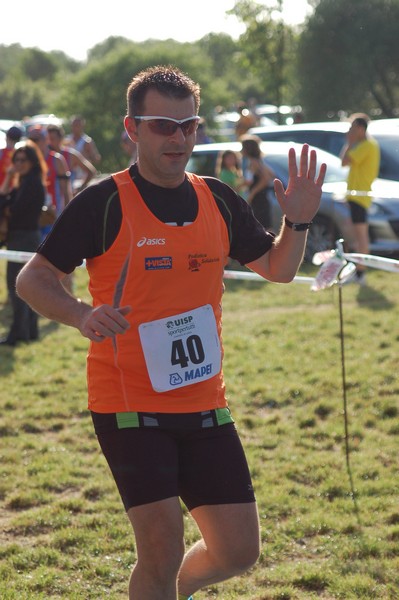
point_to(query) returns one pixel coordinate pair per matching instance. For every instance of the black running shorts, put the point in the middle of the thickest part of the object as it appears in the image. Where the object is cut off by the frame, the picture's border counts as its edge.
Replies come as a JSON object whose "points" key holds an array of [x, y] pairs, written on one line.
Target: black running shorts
{"points": [[358, 212], [201, 466]]}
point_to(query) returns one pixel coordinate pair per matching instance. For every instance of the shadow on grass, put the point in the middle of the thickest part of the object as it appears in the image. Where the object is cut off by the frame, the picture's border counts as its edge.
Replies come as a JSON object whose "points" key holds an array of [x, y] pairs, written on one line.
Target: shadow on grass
{"points": [[5, 313], [47, 328], [7, 353], [375, 299]]}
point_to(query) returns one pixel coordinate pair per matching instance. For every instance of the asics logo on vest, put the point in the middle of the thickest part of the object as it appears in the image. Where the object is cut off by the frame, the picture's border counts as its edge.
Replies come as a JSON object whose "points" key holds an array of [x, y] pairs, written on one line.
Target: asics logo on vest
{"points": [[151, 242]]}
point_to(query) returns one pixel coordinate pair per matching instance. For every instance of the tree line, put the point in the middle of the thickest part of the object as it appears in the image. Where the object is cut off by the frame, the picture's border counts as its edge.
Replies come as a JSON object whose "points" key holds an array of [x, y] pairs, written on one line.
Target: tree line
{"points": [[342, 59]]}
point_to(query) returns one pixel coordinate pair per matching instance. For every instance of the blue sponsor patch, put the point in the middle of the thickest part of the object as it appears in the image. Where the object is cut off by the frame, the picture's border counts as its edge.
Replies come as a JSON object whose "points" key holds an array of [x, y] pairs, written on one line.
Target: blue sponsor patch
{"points": [[155, 263], [199, 372]]}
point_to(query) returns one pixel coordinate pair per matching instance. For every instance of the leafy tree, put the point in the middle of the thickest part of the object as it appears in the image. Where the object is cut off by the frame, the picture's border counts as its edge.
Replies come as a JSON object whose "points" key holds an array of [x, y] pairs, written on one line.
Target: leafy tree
{"points": [[37, 64], [9, 59], [268, 49], [19, 98], [232, 80], [30, 80], [98, 91], [348, 57], [221, 49], [100, 51]]}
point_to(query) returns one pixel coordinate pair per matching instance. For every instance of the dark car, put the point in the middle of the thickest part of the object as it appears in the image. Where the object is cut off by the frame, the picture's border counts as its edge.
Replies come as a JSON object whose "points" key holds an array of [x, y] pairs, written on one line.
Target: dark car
{"points": [[333, 218], [331, 136]]}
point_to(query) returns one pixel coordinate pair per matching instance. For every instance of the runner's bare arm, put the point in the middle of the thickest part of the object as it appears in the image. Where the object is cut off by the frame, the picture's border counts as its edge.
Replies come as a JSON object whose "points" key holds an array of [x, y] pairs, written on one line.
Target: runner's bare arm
{"points": [[39, 284]]}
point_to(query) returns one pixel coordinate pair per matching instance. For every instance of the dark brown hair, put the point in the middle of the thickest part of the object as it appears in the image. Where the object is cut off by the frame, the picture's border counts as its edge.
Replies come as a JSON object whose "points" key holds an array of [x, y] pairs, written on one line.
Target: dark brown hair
{"points": [[35, 156], [251, 146], [166, 80]]}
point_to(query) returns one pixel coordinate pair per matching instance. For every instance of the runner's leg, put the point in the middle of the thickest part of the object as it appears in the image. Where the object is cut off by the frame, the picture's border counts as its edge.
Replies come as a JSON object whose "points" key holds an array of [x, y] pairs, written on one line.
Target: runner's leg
{"points": [[158, 529], [230, 545]]}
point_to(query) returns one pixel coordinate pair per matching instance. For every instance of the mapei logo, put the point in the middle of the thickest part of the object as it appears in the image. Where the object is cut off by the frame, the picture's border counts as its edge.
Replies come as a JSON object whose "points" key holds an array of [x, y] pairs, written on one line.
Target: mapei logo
{"points": [[144, 241]]}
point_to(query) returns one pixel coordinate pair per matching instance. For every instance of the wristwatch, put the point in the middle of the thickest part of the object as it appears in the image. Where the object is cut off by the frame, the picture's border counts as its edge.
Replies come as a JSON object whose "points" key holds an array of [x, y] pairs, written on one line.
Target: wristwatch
{"points": [[297, 226]]}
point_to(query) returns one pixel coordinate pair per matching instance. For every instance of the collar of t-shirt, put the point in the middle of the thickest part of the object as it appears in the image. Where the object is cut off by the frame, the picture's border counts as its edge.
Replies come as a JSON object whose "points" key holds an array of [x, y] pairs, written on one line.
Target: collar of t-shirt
{"points": [[174, 206]]}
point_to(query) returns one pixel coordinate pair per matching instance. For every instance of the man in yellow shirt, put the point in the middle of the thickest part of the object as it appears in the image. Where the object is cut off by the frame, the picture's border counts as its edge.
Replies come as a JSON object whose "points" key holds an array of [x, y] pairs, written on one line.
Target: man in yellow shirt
{"points": [[362, 154]]}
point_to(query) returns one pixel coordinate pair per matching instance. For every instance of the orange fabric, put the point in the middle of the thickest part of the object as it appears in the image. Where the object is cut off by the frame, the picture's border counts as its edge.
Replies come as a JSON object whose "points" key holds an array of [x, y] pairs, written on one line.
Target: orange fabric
{"points": [[6, 155], [132, 272]]}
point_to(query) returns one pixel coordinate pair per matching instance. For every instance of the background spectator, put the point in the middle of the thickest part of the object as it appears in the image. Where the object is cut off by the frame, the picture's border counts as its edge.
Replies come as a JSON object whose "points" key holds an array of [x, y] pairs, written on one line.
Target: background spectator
{"points": [[58, 187], [76, 162], [82, 142], [202, 136], [362, 154], [23, 203], [261, 179], [245, 121], [228, 169]]}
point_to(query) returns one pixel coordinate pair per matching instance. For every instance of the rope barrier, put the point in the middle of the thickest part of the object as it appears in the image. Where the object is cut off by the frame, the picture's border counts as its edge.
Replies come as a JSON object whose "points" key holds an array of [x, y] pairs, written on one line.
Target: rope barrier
{"points": [[23, 257], [16, 255], [249, 275]]}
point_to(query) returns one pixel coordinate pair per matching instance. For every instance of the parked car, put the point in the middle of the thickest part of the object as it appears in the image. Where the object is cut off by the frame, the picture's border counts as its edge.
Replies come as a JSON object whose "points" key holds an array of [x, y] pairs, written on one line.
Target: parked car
{"points": [[331, 136], [225, 124], [266, 115], [279, 114], [43, 121], [333, 218]]}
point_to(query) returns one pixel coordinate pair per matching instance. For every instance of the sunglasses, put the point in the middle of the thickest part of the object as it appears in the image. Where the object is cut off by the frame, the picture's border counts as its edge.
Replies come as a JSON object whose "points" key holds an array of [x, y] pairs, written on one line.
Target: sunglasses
{"points": [[20, 159], [167, 126]]}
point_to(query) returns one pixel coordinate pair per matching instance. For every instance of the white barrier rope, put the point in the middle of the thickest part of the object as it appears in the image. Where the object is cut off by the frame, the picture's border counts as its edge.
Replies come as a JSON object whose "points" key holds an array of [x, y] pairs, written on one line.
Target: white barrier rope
{"points": [[23, 257], [249, 275], [15, 256]]}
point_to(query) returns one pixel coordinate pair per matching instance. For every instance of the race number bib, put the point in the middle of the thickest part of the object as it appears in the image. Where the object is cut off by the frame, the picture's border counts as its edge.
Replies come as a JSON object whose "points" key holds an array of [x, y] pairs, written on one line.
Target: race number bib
{"points": [[182, 349]]}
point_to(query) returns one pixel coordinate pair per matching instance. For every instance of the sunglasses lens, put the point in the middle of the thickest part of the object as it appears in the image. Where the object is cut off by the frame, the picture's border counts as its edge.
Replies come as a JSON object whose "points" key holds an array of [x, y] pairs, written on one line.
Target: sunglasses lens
{"points": [[189, 126], [162, 126], [168, 128]]}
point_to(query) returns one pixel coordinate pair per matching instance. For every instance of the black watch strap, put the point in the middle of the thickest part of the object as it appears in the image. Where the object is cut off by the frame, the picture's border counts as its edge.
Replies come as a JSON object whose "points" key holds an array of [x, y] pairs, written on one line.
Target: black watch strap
{"points": [[297, 226]]}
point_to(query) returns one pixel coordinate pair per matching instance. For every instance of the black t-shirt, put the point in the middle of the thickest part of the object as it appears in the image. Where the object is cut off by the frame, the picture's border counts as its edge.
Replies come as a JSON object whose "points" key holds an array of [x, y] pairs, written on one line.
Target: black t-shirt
{"points": [[91, 221]]}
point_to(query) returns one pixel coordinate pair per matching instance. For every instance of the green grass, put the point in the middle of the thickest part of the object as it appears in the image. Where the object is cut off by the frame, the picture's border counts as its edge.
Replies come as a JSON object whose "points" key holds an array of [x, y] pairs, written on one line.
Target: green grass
{"points": [[63, 532]]}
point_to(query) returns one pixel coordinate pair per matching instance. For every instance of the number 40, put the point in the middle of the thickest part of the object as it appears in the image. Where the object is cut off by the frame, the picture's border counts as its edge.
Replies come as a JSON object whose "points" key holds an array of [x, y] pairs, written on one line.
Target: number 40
{"points": [[194, 351]]}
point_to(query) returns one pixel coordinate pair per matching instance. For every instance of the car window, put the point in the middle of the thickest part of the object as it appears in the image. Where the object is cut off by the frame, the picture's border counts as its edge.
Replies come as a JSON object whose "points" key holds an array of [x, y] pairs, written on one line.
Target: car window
{"points": [[279, 164], [203, 163], [389, 146], [331, 141], [336, 141]]}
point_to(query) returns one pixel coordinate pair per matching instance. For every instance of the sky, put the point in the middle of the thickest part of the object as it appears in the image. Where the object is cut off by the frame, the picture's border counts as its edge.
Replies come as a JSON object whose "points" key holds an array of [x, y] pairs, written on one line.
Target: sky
{"points": [[75, 26]]}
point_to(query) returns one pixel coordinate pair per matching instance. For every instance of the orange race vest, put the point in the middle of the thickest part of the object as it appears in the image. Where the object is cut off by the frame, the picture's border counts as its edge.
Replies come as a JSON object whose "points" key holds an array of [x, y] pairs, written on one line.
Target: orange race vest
{"points": [[162, 272]]}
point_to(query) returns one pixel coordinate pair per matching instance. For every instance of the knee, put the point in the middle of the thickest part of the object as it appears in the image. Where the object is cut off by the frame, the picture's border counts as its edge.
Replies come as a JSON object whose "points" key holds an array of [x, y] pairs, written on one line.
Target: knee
{"points": [[248, 557], [242, 557], [163, 558]]}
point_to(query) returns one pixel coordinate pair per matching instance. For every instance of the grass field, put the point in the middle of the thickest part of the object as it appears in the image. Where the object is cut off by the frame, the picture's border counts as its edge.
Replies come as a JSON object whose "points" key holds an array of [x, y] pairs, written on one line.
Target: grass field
{"points": [[63, 532]]}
